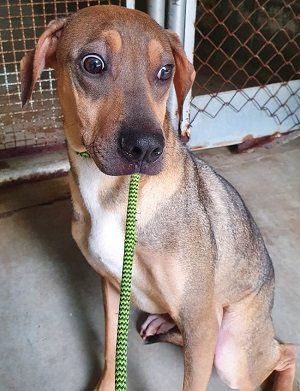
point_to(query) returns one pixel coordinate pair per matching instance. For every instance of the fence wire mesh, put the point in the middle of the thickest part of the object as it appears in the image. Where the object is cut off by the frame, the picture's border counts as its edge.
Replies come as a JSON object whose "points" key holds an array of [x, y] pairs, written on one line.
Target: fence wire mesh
{"points": [[249, 43], [238, 44], [21, 24]]}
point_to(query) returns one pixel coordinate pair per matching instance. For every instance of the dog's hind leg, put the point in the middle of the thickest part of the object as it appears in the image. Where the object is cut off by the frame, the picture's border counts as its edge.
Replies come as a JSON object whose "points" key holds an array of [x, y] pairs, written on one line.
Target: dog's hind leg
{"points": [[247, 353], [285, 369], [282, 377]]}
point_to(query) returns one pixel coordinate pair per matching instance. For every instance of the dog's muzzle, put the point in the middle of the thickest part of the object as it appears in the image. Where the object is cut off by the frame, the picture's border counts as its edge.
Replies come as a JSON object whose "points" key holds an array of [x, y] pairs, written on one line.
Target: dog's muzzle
{"points": [[130, 152], [142, 150]]}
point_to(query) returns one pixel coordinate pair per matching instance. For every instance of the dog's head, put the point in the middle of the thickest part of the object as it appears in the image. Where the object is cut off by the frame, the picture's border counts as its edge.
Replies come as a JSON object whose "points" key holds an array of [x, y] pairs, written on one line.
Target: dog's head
{"points": [[114, 71]]}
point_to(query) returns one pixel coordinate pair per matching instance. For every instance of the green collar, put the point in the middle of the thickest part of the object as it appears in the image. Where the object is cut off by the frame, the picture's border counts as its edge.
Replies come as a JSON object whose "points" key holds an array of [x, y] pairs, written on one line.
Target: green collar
{"points": [[83, 154]]}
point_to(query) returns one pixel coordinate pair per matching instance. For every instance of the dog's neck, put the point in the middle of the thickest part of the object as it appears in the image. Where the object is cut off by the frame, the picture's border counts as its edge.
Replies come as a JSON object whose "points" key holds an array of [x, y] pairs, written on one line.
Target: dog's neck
{"points": [[112, 191]]}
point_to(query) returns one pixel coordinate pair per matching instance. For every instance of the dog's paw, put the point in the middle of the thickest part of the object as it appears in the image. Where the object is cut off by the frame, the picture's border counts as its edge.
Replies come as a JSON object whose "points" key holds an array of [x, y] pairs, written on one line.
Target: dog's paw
{"points": [[156, 324]]}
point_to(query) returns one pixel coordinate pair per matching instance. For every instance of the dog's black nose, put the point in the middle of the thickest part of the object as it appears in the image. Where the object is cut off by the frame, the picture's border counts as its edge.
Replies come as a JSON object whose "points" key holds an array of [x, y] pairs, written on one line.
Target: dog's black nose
{"points": [[136, 146]]}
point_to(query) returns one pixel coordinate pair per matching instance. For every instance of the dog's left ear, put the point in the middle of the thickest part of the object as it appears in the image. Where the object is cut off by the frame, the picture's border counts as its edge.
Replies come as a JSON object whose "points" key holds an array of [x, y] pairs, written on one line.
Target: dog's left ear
{"points": [[44, 55], [184, 71]]}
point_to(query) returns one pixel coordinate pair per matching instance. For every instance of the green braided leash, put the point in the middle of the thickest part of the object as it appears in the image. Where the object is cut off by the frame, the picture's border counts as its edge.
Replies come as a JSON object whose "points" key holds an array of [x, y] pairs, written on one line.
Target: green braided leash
{"points": [[124, 306]]}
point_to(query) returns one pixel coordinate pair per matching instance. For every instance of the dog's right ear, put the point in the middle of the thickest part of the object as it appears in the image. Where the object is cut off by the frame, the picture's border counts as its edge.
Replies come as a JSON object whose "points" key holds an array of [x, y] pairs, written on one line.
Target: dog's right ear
{"points": [[44, 55]]}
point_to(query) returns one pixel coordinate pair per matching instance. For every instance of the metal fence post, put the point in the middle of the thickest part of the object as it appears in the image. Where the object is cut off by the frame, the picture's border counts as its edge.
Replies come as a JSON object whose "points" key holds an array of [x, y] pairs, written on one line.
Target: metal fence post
{"points": [[130, 4], [156, 9], [176, 23], [189, 43], [181, 19]]}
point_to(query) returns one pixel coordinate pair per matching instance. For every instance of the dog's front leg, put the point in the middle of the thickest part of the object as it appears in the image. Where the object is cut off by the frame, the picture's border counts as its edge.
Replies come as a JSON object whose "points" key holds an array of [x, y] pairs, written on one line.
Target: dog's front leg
{"points": [[200, 337], [111, 298]]}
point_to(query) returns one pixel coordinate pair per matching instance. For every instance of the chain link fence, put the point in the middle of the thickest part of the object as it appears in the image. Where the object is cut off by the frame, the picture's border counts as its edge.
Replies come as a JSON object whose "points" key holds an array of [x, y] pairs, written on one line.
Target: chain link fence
{"points": [[250, 43], [238, 44]]}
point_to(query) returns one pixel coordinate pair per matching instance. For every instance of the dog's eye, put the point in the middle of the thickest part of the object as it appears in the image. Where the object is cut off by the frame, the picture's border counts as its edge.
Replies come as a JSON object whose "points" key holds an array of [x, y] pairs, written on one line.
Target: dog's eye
{"points": [[93, 63], [165, 72]]}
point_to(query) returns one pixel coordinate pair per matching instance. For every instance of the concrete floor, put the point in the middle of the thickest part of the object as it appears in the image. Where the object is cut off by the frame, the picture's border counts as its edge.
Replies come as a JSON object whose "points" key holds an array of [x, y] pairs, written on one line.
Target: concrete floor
{"points": [[51, 330]]}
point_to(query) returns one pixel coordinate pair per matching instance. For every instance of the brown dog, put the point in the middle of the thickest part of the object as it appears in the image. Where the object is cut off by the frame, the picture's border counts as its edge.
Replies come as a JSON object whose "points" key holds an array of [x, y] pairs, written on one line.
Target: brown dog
{"points": [[114, 70]]}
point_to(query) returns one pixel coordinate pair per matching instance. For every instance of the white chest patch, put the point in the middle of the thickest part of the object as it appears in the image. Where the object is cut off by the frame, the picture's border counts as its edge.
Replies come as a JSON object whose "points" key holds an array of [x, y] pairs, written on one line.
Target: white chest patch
{"points": [[106, 239]]}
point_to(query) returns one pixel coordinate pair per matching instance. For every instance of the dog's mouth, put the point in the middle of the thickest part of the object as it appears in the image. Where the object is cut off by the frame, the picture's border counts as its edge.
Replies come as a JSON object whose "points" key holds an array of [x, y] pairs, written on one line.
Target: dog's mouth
{"points": [[147, 168], [120, 166]]}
